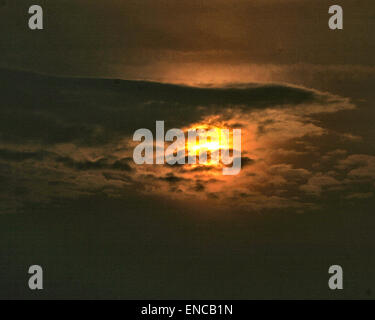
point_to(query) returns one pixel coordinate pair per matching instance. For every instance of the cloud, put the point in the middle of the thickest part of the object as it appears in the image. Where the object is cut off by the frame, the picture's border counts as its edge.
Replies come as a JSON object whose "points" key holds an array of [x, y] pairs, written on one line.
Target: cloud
{"points": [[14, 155], [56, 110], [319, 182], [360, 195], [121, 165], [334, 154], [359, 165], [73, 137], [171, 178]]}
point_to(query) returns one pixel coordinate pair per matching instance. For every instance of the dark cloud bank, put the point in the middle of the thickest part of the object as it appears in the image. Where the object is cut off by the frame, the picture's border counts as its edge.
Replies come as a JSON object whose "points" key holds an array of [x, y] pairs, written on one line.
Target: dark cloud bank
{"points": [[56, 110]]}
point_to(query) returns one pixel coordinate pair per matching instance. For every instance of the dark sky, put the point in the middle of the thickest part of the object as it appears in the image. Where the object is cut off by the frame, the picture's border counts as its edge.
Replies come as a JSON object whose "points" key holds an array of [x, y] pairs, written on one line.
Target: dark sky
{"points": [[137, 38], [72, 200]]}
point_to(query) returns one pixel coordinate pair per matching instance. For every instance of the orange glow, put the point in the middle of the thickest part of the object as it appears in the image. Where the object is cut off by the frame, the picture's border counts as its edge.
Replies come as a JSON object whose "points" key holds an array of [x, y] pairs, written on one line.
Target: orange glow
{"points": [[210, 139]]}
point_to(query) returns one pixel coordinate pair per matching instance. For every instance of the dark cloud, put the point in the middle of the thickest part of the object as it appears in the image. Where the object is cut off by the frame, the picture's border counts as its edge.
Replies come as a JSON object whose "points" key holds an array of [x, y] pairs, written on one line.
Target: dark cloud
{"points": [[52, 110], [121, 165], [12, 155], [199, 187], [246, 161], [171, 178], [117, 176]]}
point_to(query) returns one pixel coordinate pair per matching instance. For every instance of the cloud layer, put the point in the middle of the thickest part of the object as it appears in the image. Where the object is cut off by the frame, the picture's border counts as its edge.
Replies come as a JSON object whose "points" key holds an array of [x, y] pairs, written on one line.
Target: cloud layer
{"points": [[64, 138]]}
